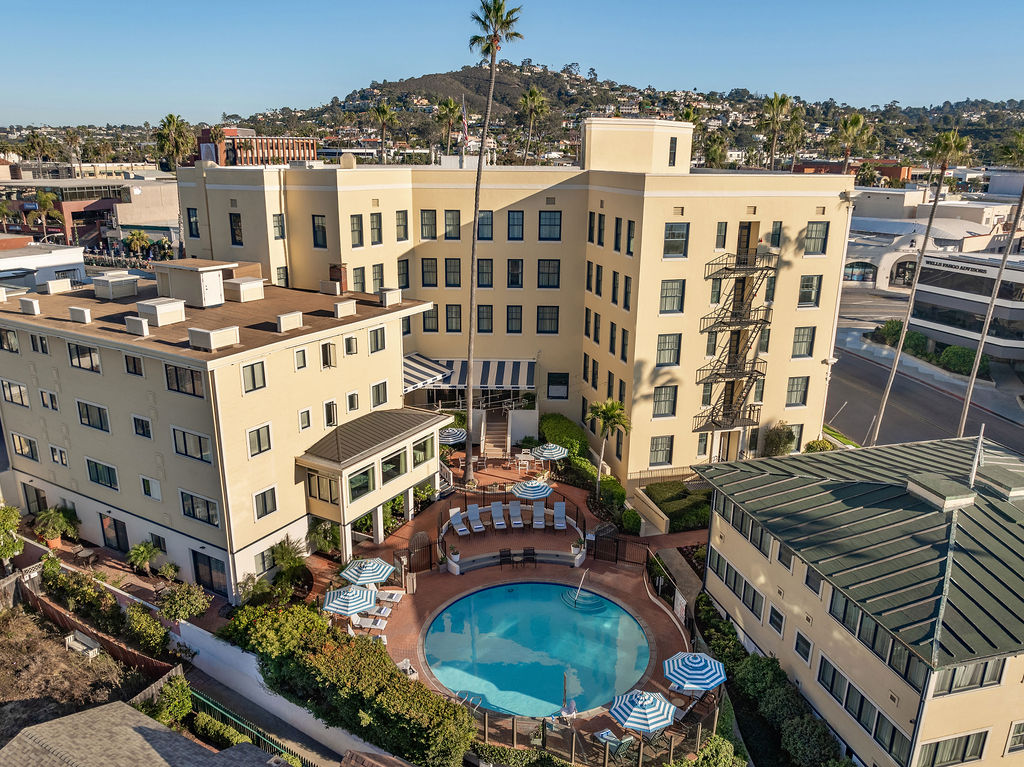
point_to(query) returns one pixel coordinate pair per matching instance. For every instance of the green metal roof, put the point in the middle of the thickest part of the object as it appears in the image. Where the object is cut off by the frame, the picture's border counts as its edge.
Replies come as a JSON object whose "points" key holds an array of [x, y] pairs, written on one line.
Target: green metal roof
{"points": [[948, 584]]}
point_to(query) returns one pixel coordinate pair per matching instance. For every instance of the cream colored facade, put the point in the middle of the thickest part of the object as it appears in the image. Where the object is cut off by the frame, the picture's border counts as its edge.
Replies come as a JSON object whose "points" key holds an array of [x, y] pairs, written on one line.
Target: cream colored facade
{"points": [[637, 180]]}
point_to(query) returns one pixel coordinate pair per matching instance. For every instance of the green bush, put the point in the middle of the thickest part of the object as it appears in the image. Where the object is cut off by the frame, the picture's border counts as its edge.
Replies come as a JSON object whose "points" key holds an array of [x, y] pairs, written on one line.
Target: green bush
{"points": [[173, 704], [183, 601], [274, 631], [809, 741], [758, 674], [577, 471], [291, 759], [556, 428], [685, 510], [726, 722], [958, 359], [147, 631], [780, 704], [716, 751], [217, 734], [890, 331], [915, 343], [779, 440], [613, 494], [515, 757], [818, 446], [631, 522]]}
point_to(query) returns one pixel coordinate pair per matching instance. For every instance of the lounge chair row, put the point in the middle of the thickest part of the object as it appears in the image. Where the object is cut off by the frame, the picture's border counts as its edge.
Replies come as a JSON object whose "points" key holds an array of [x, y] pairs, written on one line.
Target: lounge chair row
{"points": [[471, 520]]}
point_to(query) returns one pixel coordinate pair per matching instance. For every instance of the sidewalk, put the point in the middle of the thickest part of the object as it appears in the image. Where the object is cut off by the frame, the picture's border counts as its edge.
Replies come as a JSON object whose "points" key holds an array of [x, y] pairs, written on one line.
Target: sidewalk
{"points": [[1000, 400], [684, 576]]}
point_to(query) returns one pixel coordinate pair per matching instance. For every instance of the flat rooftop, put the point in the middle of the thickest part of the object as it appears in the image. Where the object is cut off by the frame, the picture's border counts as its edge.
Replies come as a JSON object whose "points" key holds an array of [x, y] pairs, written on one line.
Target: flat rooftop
{"points": [[40, 249]]}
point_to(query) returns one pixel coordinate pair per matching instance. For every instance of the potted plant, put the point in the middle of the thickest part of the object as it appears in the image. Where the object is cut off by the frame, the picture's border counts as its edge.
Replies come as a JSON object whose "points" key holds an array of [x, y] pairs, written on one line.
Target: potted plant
{"points": [[442, 564], [168, 571], [141, 555], [453, 554], [577, 546], [54, 522]]}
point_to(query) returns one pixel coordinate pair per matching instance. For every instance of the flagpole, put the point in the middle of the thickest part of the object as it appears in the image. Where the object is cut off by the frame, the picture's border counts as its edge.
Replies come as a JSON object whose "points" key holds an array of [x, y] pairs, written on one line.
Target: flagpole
{"points": [[977, 457]]}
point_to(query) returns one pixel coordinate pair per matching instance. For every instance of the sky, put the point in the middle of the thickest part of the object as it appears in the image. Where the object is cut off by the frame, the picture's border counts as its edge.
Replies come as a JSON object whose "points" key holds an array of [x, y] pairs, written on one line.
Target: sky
{"points": [[129, 62]]}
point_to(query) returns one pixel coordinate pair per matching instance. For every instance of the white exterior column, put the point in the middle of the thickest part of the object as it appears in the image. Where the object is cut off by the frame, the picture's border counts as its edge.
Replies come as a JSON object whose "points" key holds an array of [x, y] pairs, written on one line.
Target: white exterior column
{"points": [[409, 500], [345, 534], [378, 524]]}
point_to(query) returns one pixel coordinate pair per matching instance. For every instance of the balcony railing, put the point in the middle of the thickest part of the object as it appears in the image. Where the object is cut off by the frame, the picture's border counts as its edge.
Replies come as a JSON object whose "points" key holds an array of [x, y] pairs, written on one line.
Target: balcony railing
{"points": [[727, 417], [737, 265], [731, 368], [735, 316]]}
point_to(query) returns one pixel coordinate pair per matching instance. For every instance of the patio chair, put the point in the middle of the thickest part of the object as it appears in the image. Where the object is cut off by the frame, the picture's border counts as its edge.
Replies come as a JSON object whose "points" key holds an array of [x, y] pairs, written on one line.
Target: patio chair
{"points": [[539, 520], [620, 752], [391, 597], [656, 738], [498, 516], [473, 514], [504, 558], [515, 514], [380, 611], [455, 515], [370, 624], [560, 515], [529, 555]]}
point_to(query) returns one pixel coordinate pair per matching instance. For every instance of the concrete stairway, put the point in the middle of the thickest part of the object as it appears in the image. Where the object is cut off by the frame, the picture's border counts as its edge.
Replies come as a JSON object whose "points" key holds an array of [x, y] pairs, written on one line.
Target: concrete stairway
{"points": [[495, 434]]}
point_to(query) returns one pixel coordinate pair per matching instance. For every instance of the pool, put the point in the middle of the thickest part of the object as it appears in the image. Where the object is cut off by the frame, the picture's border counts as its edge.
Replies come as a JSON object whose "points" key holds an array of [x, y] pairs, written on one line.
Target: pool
{"points": [[514, 646]]}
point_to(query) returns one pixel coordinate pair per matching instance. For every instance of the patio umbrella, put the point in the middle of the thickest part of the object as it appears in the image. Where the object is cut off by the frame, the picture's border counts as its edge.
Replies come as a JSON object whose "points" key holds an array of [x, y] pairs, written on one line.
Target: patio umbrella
{"points": [[642, 711], [694, 671], [451, 436], [531, 490], [350, 600], [365, 571], [550, 452]]}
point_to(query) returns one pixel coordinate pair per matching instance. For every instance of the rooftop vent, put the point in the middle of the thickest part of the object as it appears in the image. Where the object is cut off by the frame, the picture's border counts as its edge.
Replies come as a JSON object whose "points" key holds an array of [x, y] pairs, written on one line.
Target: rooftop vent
{"points": [[1006, 483], [57, 286], [115, 284], [137, 326], [29, 305], [345, 308], [212, 340], [243, 289], [330, 287], [289, 321], [3, 295], [940, 492], [80, 314], [390, 297], [162, 311]]}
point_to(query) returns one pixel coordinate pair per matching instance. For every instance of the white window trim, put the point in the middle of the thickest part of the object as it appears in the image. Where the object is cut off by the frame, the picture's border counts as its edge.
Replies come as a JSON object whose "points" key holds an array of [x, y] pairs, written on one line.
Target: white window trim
{"points": [[879, 710], [344, 344], [259, 492], [139, 357], [99, 357], [110, 426], [323, 409], [810, 652], [349, 394], [257, 427], [28, 393], [87, 458], [309, 414], [295, 359], [241, 375], [1009, 734], [141, 418], [63, 450], [181, 509], [33, 440], [768, 621], [55, 395], [385, 402], [195, 434], [408, 464], [155, 483], [369, 331]]}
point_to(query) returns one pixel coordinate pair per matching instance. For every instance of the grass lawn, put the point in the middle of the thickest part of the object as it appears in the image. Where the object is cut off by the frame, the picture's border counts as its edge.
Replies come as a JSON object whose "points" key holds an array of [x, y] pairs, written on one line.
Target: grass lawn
{"points": [[838, 435], [686, 510]]}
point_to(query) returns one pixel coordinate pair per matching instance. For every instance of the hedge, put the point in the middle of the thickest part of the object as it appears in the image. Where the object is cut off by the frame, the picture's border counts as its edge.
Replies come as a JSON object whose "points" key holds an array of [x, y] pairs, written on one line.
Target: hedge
{"points": [[351, 682], [217, 734], [556, 428], [631, 522], [685, 510], [516, 757], [150, 633]]}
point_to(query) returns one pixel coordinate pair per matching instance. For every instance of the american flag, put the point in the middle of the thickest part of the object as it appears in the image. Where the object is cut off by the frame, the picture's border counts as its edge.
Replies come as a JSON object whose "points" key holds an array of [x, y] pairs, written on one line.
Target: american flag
{"points": [[465, 123]]}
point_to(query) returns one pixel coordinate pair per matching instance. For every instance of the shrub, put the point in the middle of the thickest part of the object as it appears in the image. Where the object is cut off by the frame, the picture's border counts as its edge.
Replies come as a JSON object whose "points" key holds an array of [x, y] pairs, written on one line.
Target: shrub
{"points": [[779, 439], [890, 331], [141, 554], [577, 471], [818, 446], [10, 544], [291, 759], [958, 359], [716, 751], [758, 674], [150, 633], [252, 587], [915, 343], [272, 631], [685, 510], [613, 494], [631, 522], [183, 601], [168, 570], [726, 723], [217, 734], [459, 416], [57, 521], [809, 741], [556, 428], [515, 757], [780, 704], [174, 702]]}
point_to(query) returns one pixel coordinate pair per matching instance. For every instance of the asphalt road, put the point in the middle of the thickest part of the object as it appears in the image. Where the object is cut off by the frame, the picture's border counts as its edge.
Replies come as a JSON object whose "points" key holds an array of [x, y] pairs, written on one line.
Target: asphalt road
{"points": [[915, 411]]}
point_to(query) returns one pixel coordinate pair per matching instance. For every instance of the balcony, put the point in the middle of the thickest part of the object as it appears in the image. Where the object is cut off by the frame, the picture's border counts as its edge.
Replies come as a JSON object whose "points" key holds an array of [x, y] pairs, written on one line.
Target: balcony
{"points": [[731, 368], [724, 417], [739, 265], [735, 317]]}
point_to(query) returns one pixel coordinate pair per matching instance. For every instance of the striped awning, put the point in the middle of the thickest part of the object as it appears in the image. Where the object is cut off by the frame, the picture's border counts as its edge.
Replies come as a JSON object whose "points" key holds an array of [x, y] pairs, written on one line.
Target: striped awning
{"points": [[419, 371], [490, 374]]}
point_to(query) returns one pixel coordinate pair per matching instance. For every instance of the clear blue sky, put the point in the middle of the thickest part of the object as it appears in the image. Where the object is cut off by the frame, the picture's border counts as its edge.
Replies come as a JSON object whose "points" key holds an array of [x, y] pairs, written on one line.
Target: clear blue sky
{"points": [[133, 61]]}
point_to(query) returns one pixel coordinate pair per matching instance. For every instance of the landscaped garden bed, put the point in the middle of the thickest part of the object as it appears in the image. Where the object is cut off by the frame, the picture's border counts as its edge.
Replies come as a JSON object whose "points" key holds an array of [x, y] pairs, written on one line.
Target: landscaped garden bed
{"points": [[686, 509], [953, 359]]}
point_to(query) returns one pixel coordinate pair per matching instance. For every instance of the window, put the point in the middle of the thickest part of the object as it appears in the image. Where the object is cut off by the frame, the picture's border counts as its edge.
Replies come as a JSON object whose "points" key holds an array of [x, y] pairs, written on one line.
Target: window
{"points": [[711, 344], [330, 414], [613, 335], [758, 391], [277, 220], [142, 427], [452, 225], [403, 273], [485, 318], [319, 231], [101, 473], [259, 440], [630, 237], [304, 419], [379, 394], [716, 291], [617, 239], [265, 561], [40, 344], [282, 276], [25, 446], [810, 290], [485, 272], [665, 400], [627, 289], [776, 235], [151, 489], [197, 446], [586, 367], [9, 342], [803, 647], [775, 618], [590, 276], [352, 401], [769, 288], [428, 224], [513, 319], [547, 319], [785, 556], [600, 228], [184, 381], [430, 320], [796, 391], [133, 365], [677, 235], [803, 342], [874, 637], [377, 341], [401, 225], [265, 502], [817, 238], [830, 678], [453, 318], [453, 272], [587, 314], [392, 467], [763, 340], [485, 226], [193, 222], [58, 455], [593, 374], [598, 279], [753, 600], [93, 416], [615, 288], [548, 272], [406, 326], [321, 488], [515, 273], [351, 345], [969, 677], [702, 444], [618, 444], [1016, 741], [661, 451], [83, 357], [860, 708], [908, 666], [966, 748], [422, 451], [198, 507], [16, 393], [549, 225], [428, 272], [707, 391], [668, 349], [624, 346], [378, 277], [376, 229], [360, 483], [672, 151], [235, 225], [253, 377], [812, 580], [844, 611], [515, 225], [558, 386], [672, 296], [721, 234], [591, 218], [328, 355], [609, 389], [359, 279], [597, 328]]}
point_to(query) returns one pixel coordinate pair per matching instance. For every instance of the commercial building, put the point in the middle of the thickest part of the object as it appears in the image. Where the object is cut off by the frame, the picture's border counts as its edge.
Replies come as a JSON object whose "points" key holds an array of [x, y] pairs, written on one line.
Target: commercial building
{"points": [[27, 263], [209, 414], [890, 589], [241, 146], [705, 301]]}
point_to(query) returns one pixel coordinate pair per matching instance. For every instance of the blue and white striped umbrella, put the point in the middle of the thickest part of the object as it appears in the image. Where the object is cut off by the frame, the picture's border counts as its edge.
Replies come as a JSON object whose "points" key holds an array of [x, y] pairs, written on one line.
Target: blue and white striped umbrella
{"points": [[531, 490], [694, 671], [350, 600], [550, 452], [642, 711], [364, 571], [451, 436]]}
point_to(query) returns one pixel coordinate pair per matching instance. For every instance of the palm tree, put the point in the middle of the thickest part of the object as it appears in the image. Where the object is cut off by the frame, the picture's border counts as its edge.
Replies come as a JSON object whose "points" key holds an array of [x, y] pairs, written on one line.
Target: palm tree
{"points": [[1013, 155], [175, 140], [793, 134], [36, 146], [448, 112], [244, 148], [774, 111], [216, 137], [715, 149], [854, 134], [137, 241], [949, 147], [497, 24], [45, 209], [7, 210], [385, 116], [73, 143], [612, 416], [533, 104]]}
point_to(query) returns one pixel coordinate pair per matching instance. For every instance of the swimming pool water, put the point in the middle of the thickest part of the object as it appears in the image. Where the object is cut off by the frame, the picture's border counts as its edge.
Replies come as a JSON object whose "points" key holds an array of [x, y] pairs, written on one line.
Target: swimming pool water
{"points": [[512, 645]]}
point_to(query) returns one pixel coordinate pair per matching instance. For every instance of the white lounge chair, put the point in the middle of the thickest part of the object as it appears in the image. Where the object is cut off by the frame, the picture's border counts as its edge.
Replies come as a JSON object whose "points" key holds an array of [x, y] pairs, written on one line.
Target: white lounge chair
{"points": [[380, 611], [473, 514], [498, 516], [391, 597], [539, 520], [455, 515], [515, 515], [370, 624], [560, 515]]}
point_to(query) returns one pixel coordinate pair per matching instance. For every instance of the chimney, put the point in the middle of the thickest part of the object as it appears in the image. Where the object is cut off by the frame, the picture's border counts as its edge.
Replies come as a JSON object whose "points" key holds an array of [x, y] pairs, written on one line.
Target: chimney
{"points": [[80, 314], [339, 273]]}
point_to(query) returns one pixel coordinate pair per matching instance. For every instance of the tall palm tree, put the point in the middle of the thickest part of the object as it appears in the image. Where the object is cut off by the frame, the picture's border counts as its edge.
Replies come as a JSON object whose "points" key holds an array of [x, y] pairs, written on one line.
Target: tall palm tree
{"points": [[775, 109], [175, 140], [949, 148], [854, 134], [793, 134], [216, 137], [715, 149], [73, 143], [497, 24], [448, 112], [385, 116], [137, 241], [46, 210], [612, 416], [36, 146], [7, 210], [1013, 155], [533, 104]]}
